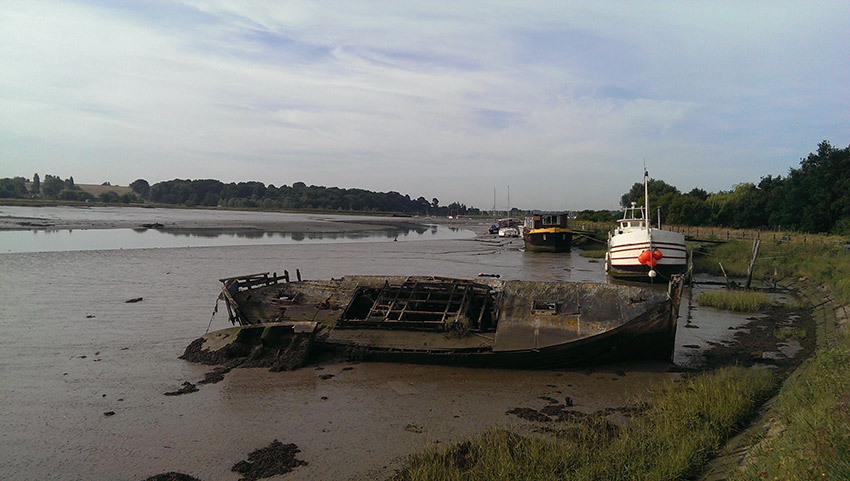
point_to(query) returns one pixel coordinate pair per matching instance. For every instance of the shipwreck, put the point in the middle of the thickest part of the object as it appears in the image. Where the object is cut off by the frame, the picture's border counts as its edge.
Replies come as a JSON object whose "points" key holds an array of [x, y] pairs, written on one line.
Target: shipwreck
{"points": [[463, 322]]}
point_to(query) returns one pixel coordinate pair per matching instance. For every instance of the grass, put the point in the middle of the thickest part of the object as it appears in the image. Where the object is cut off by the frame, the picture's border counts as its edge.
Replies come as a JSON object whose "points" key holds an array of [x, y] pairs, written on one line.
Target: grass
{"points": [[681, 428], [685, 424], [810, 437], [813, 416], [734, 300], [822, 260]]}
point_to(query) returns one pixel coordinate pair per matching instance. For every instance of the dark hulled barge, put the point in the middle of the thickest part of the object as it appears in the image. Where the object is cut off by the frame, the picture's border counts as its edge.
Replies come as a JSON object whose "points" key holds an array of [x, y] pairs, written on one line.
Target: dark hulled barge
{"points": [[547, 233], [476, 323]]}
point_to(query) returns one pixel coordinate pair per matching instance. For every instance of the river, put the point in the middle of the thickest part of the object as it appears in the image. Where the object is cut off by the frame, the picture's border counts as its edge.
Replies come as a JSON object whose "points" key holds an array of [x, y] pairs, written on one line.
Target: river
{"points": [[82, 372]]}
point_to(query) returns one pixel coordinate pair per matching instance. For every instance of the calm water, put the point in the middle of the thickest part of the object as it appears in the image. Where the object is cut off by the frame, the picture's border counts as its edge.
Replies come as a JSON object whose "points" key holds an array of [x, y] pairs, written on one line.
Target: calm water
{"points": [[72, 350], [105, 239]]}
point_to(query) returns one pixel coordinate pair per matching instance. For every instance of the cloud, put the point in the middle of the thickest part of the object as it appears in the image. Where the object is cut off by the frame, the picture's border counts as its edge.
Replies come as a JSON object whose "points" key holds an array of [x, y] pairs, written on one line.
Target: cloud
{"points": [[561, 101]]}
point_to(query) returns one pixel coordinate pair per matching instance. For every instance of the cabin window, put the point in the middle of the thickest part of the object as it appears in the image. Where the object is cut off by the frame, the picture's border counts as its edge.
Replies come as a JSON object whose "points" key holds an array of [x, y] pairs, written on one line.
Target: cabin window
{"points": [[544, 236]]}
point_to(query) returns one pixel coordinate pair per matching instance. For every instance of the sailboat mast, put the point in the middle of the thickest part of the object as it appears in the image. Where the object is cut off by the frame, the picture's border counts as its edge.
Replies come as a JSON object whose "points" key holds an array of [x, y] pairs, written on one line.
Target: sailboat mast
{"points": [[646, 197]]}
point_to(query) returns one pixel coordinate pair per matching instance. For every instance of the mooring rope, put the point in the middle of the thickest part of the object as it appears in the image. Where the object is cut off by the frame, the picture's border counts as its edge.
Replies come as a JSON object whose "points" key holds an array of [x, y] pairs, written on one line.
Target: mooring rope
{"points": [[215, 310]]}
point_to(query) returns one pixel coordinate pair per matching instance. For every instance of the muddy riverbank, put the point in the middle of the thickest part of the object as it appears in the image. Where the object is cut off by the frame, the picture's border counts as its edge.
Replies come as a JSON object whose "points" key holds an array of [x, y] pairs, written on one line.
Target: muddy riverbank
{"points": [[28, 218], [84, 372]]}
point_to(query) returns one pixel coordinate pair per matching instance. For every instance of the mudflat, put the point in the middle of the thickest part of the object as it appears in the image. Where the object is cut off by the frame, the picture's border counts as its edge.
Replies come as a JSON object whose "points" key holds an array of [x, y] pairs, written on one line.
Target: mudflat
{"points": [[128, 217]]}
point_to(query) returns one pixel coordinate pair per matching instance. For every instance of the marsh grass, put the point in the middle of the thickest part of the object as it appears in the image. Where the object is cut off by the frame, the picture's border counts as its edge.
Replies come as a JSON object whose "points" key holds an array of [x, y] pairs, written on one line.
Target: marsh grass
{"points": [[784, 333], [813, 414], [734, 300], [823, 260], [682, 427]]}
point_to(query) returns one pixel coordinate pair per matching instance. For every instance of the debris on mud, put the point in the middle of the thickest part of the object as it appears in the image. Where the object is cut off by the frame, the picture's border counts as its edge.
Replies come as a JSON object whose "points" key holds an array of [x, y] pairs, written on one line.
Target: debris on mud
{"points": [[186, 388], [760, 341], [172, 476], [216, 375], [529, 414], [276, 458], [133, 300], [412, 428]]}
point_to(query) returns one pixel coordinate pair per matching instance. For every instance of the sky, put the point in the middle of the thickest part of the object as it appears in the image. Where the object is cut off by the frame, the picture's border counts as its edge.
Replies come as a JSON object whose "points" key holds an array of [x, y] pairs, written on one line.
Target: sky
{"points": [[536, 105]]}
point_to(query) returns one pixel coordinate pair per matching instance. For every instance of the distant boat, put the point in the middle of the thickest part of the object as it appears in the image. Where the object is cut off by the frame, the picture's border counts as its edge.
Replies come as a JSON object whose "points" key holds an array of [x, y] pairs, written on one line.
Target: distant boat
{"points": [[638, 250], [547, 233], [508, 228]]}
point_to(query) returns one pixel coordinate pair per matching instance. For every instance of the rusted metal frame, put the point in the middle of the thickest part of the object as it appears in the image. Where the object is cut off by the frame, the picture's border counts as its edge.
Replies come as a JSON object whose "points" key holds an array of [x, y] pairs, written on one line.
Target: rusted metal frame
{"points": [[234, 278], [449, 301], [409, 299], [232, 306], [378, 299], [486, 300], [464, 302]]}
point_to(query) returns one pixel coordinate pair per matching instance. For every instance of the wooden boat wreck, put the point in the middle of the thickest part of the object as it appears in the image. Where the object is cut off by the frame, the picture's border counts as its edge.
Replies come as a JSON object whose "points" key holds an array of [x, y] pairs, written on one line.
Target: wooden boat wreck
{"points": [[462, 322]]}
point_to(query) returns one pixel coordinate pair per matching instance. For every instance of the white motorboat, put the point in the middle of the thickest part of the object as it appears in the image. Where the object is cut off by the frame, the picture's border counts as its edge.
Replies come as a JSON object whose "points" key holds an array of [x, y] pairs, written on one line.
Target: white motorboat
{"points": [[638, 250]]}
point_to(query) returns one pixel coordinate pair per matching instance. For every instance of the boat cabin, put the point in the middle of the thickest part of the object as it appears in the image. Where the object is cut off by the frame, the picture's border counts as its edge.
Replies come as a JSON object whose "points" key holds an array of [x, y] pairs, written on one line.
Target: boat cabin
{"points": [[545, 221]]}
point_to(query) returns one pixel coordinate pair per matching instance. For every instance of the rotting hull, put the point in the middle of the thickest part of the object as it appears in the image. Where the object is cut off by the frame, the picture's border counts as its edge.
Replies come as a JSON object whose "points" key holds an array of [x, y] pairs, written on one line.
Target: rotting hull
{"points": [[483, 323]]}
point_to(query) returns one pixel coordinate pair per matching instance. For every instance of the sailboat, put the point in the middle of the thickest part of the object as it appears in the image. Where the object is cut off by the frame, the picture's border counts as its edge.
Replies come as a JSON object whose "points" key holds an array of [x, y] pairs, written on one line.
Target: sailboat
{"points": [[638, 250]]}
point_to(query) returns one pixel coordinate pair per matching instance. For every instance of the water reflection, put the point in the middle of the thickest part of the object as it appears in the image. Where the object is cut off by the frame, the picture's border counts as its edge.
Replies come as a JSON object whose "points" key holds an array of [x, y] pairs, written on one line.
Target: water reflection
{"points": [[141, 238]]}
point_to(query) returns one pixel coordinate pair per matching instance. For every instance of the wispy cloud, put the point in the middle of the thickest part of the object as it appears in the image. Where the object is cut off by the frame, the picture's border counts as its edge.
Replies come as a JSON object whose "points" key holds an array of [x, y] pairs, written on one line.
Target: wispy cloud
{"points": [[560, 101]]}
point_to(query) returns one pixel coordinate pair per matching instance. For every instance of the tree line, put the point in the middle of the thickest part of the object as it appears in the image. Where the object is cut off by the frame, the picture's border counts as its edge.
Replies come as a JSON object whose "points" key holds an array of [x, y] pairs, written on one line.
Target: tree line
{"points": [[214, 193], [815, 197]]}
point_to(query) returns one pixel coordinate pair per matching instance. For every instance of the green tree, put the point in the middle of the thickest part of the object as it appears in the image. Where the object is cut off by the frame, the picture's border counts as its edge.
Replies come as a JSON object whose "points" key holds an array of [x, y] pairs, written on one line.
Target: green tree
{"points": [[14, 188], [141, 187], [109, 197], [656, 188], [52, 186], [36, 185]]}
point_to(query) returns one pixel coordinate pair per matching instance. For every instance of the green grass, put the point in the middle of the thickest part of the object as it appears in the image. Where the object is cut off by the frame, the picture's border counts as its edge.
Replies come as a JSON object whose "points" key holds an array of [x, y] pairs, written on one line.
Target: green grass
{"points": [[734, 300], [813, 417], [682, 427], [823, 260]]}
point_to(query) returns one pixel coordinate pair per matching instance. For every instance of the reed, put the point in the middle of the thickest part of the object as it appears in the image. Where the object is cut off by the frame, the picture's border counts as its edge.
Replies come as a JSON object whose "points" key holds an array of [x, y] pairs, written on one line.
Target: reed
{"points": [[681, 428], [734, 300]]}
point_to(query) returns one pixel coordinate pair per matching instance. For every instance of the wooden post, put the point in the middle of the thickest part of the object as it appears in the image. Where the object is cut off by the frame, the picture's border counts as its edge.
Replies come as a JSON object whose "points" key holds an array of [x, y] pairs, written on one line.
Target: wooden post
{"points": [[752, 264], [724, 275]]}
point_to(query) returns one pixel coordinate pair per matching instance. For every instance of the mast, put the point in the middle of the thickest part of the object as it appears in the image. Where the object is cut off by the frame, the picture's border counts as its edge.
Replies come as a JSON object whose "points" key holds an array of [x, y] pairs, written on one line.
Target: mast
{"points": [[646, 197], [651, 272]]}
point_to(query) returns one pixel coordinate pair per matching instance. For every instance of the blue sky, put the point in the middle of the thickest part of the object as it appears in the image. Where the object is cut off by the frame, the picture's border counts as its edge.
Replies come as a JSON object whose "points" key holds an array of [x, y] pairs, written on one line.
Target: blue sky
{"points": [[561, 101]]}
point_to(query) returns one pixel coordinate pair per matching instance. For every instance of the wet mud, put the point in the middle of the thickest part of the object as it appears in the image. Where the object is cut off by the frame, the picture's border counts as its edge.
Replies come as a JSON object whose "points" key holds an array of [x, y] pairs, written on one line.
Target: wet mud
{"points": [[56, 396], [780, 338]]}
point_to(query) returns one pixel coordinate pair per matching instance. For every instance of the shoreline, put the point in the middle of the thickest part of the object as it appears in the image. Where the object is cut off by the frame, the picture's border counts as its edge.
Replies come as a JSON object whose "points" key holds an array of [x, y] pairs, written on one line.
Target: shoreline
{"points": [[221, 220]]}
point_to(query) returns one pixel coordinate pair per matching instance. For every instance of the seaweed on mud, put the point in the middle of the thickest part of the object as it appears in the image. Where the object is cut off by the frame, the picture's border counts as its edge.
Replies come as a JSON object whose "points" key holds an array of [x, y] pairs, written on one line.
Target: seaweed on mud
{"points": [[529, 414], [216, 375], [172, 476], [276, 458], [748, 345], [186, 388]]}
